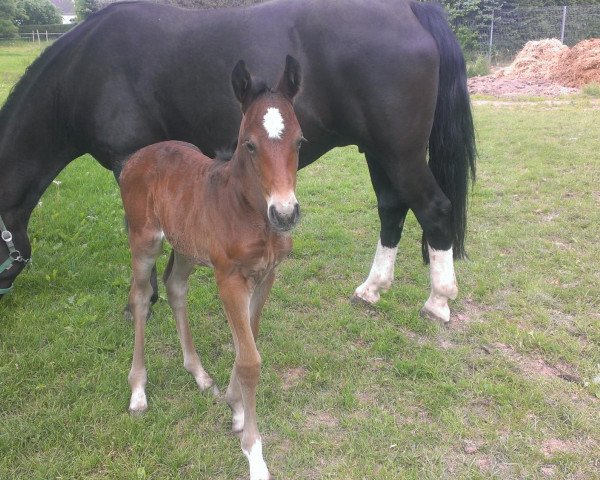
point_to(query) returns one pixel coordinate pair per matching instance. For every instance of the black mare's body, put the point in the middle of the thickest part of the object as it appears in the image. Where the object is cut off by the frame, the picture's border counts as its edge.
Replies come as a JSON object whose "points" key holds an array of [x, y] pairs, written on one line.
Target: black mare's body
{"points": [[138, 73]]}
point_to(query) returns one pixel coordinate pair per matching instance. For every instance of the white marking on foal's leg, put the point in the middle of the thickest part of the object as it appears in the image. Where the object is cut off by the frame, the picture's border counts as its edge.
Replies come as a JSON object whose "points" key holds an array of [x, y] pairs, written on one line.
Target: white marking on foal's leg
{"points": [[381, 274], [258, 467], [233, 397], [138, 402], [273, 123], [443, 284], [137, 381], [237, 419]]}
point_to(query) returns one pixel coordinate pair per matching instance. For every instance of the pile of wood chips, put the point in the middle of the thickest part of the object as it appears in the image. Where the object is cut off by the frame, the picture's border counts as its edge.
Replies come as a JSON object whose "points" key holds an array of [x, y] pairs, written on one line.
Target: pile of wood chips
{"points": [[544, 67], [580, 65]]}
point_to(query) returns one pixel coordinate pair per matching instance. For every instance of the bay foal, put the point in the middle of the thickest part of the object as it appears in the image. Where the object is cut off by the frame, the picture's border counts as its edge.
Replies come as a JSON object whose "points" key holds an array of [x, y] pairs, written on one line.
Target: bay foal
{"points": [[234, 216]]}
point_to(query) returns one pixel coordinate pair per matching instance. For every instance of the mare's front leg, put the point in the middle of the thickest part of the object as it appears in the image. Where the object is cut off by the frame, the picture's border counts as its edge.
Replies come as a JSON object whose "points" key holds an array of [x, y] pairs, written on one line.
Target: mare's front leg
{"points": [[176, 278], [236, 294], [392, 212]]}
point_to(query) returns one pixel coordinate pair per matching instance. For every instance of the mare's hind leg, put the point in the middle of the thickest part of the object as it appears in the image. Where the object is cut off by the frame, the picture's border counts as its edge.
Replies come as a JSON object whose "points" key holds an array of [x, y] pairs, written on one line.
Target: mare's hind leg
{"points": [[145, 247], [392, 212], [418, 189], [176, 278]]}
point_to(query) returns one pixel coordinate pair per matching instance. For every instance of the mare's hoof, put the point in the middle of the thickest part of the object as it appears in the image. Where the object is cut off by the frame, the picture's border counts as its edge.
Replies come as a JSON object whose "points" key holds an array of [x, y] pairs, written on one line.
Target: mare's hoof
{"points": [[434, 317], [361, 302], [215, 391]]}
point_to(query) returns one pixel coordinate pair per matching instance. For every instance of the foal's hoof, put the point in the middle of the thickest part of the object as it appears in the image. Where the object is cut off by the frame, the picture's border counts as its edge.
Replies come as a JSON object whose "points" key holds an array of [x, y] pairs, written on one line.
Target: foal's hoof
{"points": [[137, 410], [215, 391], [138, 403], [137, 413]]}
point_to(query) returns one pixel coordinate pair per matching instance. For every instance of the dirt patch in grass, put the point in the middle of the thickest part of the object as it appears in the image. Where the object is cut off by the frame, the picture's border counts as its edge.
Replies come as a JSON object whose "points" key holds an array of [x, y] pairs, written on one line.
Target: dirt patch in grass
{"points": [[470, 311], [531, 367], [471, 453], [553, 446], [318, 420], [292, 377]]}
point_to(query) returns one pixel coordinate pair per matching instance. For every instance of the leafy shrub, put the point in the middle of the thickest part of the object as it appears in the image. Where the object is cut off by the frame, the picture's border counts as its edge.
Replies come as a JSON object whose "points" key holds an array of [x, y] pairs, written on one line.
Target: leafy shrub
{"points": [[592, 90], [478, 67]]}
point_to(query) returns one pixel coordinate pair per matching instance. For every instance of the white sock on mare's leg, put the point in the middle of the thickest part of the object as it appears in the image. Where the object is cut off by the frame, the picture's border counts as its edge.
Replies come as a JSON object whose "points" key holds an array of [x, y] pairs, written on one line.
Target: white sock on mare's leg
{"points": [[443, 284], [381, 275]]}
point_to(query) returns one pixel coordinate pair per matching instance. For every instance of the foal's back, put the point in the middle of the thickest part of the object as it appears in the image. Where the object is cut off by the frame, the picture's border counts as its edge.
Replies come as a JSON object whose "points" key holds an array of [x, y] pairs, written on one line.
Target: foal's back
{"points": [[164, 189]]}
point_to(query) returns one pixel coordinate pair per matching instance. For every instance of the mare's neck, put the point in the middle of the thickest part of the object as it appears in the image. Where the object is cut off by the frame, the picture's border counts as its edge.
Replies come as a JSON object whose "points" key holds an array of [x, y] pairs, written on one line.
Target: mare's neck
{"points": [[32, 153]]}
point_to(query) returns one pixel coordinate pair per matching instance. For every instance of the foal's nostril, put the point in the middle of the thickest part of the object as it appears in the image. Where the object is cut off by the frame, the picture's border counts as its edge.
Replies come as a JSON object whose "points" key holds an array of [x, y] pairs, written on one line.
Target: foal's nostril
{"points": [[286, 220]]}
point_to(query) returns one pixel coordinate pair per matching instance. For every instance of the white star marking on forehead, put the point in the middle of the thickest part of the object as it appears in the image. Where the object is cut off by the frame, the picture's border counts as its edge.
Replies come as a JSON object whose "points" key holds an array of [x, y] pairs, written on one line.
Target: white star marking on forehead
{"points": [[273, 123]]}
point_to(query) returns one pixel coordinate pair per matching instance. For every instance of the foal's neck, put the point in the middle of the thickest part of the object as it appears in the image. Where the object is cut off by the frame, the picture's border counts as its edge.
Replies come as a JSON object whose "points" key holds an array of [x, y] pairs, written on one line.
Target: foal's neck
{"points": [[245, 185]]}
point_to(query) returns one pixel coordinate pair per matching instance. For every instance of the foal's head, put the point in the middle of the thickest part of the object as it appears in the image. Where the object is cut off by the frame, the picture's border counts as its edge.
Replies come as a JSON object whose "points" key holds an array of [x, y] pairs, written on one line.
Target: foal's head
{"points": [[270, 138]]}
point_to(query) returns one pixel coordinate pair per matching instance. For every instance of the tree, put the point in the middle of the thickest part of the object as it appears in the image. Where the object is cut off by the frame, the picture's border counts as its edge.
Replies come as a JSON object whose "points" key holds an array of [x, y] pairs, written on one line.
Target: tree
{"points": [[468, 17], [8, 12], [84, 8], [37, 12]]}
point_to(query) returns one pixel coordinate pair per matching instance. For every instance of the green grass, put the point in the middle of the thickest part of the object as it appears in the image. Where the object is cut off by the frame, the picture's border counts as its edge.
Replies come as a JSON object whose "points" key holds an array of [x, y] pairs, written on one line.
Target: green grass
{"points": [[14, 59], [510, 391]]}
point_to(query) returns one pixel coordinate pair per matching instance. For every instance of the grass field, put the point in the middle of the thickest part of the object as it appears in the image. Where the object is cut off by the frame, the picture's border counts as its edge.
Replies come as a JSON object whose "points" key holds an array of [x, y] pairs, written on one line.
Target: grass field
{"points": [[510, 391]]}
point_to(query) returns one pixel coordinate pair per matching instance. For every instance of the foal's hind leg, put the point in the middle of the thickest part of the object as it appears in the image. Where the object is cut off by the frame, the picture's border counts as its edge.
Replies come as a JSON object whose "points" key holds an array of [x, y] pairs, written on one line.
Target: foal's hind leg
{"points": [[143, 257], [392, 212], [176, 280], [118, 166]]}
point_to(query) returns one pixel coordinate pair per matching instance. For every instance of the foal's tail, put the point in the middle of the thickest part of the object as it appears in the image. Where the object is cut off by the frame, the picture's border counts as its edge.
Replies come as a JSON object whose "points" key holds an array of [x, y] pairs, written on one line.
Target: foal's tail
{"points": [[452, 149]]}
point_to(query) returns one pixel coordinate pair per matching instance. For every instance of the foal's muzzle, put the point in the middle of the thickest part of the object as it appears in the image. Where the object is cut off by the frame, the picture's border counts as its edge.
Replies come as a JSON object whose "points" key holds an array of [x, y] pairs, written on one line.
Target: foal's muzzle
{"points": [[284, 219]]}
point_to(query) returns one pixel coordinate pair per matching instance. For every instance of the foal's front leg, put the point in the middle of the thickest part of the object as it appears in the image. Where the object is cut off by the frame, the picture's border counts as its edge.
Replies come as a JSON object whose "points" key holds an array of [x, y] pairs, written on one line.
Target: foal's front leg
{"points": [[235, 293], [234, 394]]}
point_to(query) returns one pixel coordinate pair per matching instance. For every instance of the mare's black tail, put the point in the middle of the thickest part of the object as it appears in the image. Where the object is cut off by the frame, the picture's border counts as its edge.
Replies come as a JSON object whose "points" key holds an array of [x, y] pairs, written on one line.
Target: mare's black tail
{"points": [[452, 149]]}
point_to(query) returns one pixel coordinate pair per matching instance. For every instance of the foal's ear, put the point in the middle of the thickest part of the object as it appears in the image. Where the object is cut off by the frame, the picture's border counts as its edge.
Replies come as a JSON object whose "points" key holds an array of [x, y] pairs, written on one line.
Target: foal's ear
{"points": [[241, 82], [289, 84]]}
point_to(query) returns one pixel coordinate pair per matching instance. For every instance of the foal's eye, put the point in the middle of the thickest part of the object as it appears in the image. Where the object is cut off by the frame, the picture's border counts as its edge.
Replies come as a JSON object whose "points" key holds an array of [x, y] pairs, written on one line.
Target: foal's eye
{"points": [[250, 146]]}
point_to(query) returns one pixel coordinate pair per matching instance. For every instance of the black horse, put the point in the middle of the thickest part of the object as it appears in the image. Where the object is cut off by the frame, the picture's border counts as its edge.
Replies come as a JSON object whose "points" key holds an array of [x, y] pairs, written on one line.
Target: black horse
{"points": [[385, 75]]}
